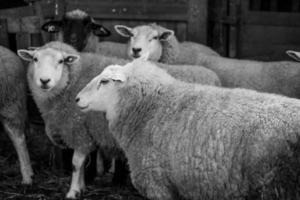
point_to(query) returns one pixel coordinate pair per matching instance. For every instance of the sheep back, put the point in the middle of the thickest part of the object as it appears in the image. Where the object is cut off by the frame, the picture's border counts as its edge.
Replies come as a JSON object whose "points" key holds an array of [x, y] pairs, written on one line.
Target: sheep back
{"points": [[279, 77], [192, 74], [112, 49]]}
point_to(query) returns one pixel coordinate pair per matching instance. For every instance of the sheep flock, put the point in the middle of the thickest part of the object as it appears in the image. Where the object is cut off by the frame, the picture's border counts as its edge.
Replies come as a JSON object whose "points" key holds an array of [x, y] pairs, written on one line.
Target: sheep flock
{"points": [[179, 120]]}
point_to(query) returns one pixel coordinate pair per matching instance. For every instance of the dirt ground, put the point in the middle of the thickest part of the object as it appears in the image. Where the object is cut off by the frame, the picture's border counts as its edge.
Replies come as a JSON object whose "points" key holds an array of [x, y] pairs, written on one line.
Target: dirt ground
{"points": [[49, 184]]}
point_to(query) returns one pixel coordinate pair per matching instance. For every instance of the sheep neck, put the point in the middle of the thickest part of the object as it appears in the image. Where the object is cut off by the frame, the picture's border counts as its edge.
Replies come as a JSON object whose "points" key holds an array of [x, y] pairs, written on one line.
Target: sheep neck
{"points": [[170, 50], [133, 117]]}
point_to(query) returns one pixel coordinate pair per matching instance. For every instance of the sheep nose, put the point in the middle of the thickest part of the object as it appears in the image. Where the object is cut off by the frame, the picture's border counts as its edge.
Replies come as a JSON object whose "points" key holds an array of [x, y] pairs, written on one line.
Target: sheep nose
{"points": [[77, 99], [136, 50], [45, 81]]}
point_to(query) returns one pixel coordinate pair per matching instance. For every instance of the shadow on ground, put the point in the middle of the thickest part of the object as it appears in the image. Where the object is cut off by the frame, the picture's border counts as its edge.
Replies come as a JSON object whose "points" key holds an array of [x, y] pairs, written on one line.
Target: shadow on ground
{"points": [[49, 184]]}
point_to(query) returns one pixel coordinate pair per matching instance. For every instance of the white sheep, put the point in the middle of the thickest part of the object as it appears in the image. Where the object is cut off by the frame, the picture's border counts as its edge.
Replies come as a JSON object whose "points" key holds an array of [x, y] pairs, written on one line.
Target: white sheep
{"points": [[55, 76], [13, 110], [160, 44], [188, 141], [81, 31]]}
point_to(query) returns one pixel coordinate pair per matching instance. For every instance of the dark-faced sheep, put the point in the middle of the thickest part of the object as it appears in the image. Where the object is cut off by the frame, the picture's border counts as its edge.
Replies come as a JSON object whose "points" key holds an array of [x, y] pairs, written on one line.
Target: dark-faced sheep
{"points": [[189, 141], [81, 31], [78, 29], [13, 110]]}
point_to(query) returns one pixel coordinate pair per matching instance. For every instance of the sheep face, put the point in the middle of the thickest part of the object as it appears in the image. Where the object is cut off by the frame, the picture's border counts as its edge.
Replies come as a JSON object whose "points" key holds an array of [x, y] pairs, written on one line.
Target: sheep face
{"points": [[76, 28], [101, 93], [294, 54], [145, 41], [47, 67]]}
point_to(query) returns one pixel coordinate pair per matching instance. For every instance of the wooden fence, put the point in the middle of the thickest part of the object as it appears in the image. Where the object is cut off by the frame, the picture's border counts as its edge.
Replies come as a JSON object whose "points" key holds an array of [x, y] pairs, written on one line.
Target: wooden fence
{"points": [[255, 29]]}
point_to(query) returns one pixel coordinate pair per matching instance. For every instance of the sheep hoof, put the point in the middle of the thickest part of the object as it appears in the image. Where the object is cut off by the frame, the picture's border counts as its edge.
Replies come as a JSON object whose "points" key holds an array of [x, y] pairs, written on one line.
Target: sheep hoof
{"points": [[73, 194], [27, 180]]}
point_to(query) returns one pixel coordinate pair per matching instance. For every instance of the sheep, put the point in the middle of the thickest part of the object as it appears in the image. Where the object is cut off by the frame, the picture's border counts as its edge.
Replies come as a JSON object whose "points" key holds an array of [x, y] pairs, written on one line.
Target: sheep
{"points": [[78, 29], [160, 44], [13, 109], [55, 76], [191, 141], [81, 31]]}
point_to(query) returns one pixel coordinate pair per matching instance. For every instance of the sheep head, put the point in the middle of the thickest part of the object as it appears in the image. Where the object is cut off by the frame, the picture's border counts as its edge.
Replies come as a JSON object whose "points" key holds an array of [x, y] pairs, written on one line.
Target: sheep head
{"points": [[75, 28], [145, 41], [47, 66], [100, 93]]}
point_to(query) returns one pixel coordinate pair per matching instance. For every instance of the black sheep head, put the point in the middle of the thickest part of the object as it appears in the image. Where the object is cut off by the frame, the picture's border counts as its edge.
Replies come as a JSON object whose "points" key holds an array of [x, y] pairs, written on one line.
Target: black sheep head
{"points": [[76, 27]]}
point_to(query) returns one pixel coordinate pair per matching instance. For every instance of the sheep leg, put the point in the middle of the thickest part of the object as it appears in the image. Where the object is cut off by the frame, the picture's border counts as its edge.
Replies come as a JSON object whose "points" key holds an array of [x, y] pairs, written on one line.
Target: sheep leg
{"points": [[77, 183], [18, 139], [100, 163]]}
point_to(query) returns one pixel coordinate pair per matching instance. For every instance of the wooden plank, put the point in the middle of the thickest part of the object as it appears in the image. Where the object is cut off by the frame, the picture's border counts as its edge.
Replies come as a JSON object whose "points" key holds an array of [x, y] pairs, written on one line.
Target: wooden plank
{"points": [[132, 10], [295, 5], [273, 5], [59, 8], [234, 6], [272, 18], [271, 34], [23, 40], [255, 4], [272, 52], [181, 30], [36, 40], [47, 7], [219, 29], [26, 24], [197, 21], [3, 33]]}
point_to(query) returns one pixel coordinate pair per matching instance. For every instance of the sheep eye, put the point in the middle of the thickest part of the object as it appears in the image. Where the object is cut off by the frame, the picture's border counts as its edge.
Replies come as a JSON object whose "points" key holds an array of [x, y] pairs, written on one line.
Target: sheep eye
{"points": [[155, 37], [60, 61], [103, 82], [35, 59]]}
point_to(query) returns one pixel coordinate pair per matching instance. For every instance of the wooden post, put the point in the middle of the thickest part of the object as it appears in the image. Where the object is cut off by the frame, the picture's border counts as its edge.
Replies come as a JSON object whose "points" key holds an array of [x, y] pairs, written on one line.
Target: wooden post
{"points": [[197, 21], [295, 6], [4, 33]]}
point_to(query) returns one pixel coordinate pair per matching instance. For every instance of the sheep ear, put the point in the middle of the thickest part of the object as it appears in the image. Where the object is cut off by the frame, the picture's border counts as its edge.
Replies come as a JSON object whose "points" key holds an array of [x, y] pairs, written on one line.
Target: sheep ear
{"points": [[100, 30], [26, 54], [71, 58], [294, 54], [166, 35], [124, 30], [52, 26]]}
